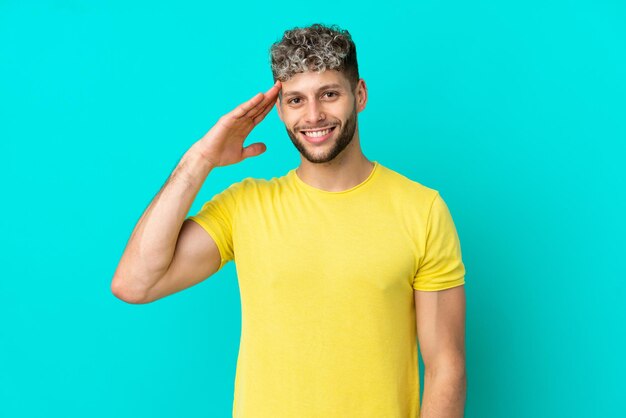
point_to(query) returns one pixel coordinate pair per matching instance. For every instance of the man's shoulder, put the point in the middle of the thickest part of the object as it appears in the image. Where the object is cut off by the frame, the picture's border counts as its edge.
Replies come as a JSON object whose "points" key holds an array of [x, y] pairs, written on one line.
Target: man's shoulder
{"points": [[251, 185], [403, 184]]}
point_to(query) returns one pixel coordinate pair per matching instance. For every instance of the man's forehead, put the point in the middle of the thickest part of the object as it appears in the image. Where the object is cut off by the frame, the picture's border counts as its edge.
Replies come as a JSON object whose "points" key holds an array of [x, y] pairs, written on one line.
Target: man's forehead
{"points": [[313, 81]]}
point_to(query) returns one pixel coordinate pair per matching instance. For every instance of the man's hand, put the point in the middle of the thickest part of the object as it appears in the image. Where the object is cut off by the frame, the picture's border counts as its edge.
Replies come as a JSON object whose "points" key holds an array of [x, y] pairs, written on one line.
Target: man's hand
{"points": [[223, 144]]}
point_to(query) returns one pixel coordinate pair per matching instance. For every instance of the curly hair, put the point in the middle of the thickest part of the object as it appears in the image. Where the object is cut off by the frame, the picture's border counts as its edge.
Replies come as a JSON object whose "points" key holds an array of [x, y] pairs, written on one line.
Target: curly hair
{"points": [[314, 48]]}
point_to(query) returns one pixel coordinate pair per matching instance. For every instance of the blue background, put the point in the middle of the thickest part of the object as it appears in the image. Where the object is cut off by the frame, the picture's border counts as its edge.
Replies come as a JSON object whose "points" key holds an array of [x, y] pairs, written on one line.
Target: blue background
{"points": [[514, 111]]}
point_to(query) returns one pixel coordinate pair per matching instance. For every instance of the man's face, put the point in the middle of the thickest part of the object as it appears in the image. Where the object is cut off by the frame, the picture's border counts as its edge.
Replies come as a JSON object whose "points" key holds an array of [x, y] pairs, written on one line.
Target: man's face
{"points": [[319, 111]]}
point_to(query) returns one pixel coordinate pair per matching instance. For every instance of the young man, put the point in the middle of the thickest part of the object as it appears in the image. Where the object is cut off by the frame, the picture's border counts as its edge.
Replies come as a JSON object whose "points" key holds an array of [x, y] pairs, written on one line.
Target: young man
{"points": [[343, 264]]}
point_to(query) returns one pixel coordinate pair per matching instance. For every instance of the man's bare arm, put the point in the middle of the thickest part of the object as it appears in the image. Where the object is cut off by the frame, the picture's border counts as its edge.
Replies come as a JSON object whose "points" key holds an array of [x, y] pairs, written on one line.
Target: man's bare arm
{"points": [[440, 319], [151, 249]]}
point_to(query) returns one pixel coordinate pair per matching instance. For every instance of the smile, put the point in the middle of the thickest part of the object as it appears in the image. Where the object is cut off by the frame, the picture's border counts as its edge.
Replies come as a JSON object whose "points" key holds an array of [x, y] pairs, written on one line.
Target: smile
{"points": [[318, 135]]}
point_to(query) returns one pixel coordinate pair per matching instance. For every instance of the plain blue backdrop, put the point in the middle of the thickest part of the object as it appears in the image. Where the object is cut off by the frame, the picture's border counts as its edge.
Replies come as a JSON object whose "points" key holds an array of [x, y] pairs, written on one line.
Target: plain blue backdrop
{"points": [[514, 111]]}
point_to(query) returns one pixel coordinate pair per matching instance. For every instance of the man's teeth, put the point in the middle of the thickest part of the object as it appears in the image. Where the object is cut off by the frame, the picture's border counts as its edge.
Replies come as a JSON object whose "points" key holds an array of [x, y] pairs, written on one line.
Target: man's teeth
{"points": [[317, 134]]}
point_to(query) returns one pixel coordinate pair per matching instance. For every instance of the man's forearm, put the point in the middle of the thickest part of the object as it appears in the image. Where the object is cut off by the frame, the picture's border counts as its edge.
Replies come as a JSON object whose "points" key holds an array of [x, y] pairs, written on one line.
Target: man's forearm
{"points": [[444, 394], [152, 243]]}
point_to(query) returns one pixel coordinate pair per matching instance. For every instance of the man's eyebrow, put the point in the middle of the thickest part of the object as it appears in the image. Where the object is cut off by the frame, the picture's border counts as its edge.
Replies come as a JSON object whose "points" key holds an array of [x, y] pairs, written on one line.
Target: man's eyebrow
{"points": [[324, 87]]}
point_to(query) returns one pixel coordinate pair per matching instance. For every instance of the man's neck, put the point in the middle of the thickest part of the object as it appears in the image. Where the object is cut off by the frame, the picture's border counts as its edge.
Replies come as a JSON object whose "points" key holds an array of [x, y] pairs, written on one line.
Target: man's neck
{"points": [[337, 175]]}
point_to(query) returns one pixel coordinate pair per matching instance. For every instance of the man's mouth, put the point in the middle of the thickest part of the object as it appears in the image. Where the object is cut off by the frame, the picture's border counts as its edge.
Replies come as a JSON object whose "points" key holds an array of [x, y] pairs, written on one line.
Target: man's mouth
{"points": [[318, 135]]}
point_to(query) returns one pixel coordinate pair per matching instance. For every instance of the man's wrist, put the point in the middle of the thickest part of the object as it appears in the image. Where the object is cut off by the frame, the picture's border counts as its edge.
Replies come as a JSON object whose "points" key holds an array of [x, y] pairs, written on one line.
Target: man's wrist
{"points": [[193, 167]]}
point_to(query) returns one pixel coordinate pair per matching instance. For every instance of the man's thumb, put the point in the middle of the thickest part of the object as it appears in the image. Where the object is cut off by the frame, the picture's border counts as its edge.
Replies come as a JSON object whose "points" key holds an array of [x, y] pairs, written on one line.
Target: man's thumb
{"points": [[253, 150]]}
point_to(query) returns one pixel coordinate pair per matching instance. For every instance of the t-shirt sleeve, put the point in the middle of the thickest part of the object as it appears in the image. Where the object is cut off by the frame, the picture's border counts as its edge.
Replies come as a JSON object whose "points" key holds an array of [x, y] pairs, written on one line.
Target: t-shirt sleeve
{"points": [[441, 266], [216, 217]]}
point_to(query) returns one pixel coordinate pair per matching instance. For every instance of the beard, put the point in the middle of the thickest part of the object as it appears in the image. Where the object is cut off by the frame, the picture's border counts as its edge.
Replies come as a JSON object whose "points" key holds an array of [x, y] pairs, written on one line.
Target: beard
{"points": [[343, 140]]}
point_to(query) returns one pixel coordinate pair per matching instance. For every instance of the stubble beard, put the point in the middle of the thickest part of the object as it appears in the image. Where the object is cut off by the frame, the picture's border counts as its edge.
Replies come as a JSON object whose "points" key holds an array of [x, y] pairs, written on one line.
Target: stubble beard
{"points": [[345, 137]]}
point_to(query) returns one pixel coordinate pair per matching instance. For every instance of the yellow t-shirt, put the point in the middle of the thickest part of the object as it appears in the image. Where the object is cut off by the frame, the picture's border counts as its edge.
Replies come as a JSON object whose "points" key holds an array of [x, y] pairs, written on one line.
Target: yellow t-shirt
{"points": [[326, 282]]}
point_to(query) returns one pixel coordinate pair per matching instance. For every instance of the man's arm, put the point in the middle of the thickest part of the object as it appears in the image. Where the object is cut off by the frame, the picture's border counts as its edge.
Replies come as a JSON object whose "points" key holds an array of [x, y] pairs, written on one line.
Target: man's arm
{"points": [[440, 317], [152, 245], [162, 255]]}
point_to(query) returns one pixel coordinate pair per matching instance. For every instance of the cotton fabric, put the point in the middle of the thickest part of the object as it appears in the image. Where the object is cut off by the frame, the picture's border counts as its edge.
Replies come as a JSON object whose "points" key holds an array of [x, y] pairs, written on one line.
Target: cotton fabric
{"points": [[327, 284]]}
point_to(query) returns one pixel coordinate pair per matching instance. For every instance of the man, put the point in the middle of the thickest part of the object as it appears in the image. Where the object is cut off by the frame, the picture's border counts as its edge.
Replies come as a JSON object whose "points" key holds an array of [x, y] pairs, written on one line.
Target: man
{"points": [[343, 264]]}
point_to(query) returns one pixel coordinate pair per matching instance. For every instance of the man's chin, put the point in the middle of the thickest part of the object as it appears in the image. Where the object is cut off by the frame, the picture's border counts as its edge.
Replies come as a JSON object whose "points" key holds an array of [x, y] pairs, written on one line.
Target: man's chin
{"points": [[314, 153], [317, 160]]}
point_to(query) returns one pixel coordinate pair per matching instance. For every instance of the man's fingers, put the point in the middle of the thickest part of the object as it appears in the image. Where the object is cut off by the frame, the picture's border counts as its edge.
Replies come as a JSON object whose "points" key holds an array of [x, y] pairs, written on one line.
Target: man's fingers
{"points": [[267, 106], [268, 99], [244, 108], [258, 118], [254, 106], [273, 91], [268, 102]]}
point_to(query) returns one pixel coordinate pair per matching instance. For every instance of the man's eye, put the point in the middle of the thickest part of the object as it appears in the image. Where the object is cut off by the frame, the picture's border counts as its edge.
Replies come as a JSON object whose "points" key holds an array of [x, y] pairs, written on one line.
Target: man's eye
{"points": [[293, 101], [331, 93]]}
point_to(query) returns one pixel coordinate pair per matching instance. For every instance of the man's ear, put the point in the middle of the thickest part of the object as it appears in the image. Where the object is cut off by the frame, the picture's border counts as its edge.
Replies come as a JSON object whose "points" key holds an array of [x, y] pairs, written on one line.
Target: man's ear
{"points": [[361, 95], [280, 115]]}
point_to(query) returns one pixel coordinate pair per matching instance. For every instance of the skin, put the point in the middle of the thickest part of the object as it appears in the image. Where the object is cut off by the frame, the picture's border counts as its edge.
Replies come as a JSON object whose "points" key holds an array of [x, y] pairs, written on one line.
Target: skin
{"points": [[305, 103], [440, 318]]}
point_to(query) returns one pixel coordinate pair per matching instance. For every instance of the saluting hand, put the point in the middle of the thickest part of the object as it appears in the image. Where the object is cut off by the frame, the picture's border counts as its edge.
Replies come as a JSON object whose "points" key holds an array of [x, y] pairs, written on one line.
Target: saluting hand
{"points": [[223, 144]]}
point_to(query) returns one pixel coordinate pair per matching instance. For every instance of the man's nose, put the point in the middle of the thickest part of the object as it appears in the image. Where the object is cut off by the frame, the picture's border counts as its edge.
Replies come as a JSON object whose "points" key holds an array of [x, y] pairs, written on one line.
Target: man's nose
{"points": [[314, 112]]}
